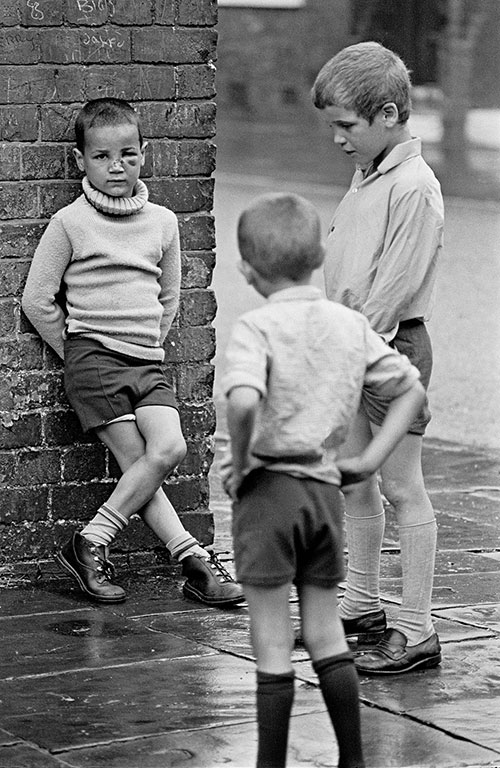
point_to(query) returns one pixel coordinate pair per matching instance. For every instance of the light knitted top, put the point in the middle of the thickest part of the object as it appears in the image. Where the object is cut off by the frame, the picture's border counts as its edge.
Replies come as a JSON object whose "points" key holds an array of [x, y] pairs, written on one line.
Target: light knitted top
{"points": [[119, 262]]}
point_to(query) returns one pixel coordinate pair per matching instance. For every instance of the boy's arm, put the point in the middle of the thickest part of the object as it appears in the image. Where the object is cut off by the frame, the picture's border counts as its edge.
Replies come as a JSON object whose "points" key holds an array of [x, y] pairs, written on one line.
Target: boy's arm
{"points": [[170, 280], [39, 303], [242, 405], [400, 415], [411, 247]]}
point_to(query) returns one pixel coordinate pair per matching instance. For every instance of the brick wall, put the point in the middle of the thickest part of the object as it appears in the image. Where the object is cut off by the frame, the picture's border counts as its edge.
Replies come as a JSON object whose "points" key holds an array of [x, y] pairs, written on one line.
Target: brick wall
{"points": [[55, 55]]}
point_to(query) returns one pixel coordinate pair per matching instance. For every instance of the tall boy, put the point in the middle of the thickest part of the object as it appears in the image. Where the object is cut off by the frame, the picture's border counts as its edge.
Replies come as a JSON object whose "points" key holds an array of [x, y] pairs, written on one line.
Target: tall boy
{"points": [[118, 257], [294, 374], [381, 258]]}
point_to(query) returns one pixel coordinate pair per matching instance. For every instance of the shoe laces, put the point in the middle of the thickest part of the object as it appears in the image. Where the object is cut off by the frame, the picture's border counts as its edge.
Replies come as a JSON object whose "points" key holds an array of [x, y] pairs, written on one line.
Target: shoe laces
{"points": [[220, 570], [104, 566]]}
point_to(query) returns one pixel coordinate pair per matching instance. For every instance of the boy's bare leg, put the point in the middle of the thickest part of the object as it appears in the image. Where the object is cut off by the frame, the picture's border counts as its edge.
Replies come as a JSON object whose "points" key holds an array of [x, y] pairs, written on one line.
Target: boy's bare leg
{"points": [[333, 663], [147, 451], [272, 642]]}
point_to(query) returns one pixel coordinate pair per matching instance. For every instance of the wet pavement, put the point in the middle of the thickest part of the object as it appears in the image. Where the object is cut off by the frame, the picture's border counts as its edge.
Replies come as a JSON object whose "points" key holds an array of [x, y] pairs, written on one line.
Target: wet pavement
{"points": [[159, 681]]}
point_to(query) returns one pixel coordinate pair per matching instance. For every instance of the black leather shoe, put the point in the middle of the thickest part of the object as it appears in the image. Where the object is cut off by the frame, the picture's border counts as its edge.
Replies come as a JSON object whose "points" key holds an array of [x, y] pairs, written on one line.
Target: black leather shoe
{"points": [[392, 655], [88, 564], [366, 629], [209, 582]]}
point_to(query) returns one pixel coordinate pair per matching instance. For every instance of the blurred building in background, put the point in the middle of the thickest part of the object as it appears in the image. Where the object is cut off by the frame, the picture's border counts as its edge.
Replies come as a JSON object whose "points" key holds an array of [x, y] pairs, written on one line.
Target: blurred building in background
{"points": [[271, 50]]}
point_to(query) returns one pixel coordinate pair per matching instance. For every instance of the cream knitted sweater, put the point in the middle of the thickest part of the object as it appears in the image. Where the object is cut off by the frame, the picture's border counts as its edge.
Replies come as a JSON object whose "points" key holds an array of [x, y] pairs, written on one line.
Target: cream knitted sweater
{"points": [[119, 262]]}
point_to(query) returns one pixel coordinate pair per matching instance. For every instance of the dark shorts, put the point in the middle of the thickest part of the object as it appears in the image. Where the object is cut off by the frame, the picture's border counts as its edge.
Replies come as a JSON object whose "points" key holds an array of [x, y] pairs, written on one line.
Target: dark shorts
{"points": [[287, 529], [102, 385], [413, 341]]}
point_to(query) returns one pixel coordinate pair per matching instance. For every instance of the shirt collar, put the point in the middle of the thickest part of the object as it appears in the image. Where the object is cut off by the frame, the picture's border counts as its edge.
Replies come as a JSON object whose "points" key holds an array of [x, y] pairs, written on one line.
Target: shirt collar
{"points": [[397, 155], [304, 292]]}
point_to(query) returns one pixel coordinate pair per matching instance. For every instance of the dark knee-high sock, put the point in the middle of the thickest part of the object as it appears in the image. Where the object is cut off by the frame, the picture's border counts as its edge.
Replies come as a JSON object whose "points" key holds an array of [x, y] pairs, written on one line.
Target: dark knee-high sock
{"points": [[339, 685], [274, 704]]}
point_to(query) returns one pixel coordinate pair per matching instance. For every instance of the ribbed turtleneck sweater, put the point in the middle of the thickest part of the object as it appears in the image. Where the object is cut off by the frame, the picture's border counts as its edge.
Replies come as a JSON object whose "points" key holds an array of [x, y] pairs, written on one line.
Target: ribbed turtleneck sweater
{"points": [[118, 260]]}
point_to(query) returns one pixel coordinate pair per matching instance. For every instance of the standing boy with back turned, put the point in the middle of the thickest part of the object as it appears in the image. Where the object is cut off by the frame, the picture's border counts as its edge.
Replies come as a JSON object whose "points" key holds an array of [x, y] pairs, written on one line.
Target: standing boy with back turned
{"points": [[381, 258], [294, 374], [118, 257]]}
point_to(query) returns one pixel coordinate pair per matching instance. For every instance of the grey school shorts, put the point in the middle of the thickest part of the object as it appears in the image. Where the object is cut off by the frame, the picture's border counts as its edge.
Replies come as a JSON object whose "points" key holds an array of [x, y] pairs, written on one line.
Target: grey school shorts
{"points": [[288, 529], [413, 341], [102, 385]]}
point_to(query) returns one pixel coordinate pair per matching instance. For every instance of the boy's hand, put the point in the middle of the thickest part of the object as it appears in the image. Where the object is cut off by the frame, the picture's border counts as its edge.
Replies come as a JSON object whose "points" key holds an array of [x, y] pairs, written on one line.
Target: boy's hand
{"points": [[353, 470], [231, 481]]}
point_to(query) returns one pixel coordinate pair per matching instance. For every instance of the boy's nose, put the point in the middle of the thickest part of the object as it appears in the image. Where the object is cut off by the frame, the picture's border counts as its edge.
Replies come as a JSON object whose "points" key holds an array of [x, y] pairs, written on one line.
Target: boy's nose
{"points": [[116, 165], [339, 139]]}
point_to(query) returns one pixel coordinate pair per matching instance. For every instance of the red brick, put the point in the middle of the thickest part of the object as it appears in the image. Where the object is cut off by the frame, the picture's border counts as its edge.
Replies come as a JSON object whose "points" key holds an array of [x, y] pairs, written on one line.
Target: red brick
{"points": [[202, 12], [21, 432], [24, 352], [197, 419], [194, 382], [139, 12], [22, 505], [13, 275], [85, 46], [79, 502], [132, 82], [19, 240], [19, 46], [196, 157], [164, 11], [188, 494], [84, 462], [10, 12], [196, 271], [7, 321], [18, 201], [19, 123], [197, 232], [63, 428], [54, 196], [10, 162], [196, 81], [190, 344], [43, 161], [197, 307], [39, 13], [36, 467], [182, 194], [173, 46], [58, 122]]}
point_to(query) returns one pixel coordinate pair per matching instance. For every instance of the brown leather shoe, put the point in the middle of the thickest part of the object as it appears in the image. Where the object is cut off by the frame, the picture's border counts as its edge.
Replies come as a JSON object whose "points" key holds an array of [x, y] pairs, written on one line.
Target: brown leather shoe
{"points": [[209, 582], [87, 563], [392, 655]]}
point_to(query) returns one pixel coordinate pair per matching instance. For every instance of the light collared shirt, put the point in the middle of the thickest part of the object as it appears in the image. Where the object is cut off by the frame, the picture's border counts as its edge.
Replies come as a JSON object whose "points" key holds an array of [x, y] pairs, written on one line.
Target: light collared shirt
{"points": [[309, 359], [385, 240]]}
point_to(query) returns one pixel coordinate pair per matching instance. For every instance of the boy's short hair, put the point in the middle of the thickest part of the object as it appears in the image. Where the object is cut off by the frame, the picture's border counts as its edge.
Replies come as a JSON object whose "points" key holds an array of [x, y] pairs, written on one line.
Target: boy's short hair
{"points": [[106, 111], [279, 235], [362, 78]]}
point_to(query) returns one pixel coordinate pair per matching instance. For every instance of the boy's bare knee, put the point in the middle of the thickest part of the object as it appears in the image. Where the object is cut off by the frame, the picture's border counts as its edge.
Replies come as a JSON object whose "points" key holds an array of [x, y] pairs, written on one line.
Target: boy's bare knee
{"points": [[166, 457]]}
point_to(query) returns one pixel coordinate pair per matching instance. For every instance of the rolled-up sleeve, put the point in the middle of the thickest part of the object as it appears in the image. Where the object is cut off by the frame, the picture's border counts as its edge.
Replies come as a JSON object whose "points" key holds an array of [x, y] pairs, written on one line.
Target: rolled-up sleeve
{"points": [[246, 360]]}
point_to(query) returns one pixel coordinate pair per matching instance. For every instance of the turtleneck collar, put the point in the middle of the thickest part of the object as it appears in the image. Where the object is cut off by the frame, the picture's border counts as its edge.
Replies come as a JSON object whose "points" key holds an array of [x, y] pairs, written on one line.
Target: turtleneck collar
{"points": [[116, 206]]}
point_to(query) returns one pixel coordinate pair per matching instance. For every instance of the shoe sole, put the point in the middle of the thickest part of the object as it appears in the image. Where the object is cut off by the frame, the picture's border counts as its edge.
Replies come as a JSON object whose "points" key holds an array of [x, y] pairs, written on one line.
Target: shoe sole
{"points": [[428, 663], [199, 597], [60, 560]]}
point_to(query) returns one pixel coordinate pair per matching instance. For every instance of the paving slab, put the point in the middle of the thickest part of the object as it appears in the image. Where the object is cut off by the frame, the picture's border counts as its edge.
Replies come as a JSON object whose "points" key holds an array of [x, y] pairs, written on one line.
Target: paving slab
{"points": [[311, 744]]}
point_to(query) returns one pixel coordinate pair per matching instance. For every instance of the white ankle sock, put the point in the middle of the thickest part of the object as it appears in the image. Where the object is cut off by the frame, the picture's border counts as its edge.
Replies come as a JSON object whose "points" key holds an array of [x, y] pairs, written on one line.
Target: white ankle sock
{"points": [[184, 545], [103, 528]]}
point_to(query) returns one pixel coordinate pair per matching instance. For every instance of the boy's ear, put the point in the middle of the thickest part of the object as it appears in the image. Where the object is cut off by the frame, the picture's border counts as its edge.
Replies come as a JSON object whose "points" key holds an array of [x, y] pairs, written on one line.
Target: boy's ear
{"points": [[143, 152], [247, 271], [390, 114], [79, 159]]}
